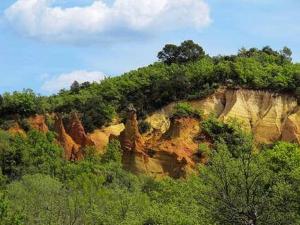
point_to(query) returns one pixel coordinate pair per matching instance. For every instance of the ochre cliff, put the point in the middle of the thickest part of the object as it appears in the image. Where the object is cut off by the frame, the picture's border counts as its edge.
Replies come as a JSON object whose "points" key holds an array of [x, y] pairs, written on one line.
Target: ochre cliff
{"points": [[77, 132], [100, 137], [172, 153], [38, 122], [171, 147], [15, 129], [72, 151], [270, 116]]}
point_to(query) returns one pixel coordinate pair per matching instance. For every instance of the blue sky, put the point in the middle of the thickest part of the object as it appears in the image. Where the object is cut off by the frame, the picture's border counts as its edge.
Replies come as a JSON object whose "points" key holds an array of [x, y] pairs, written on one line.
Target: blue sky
{"points": [[47, 55]]}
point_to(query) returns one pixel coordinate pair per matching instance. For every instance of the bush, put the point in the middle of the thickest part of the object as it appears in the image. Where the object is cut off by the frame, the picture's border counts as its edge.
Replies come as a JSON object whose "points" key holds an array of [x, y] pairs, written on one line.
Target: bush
{"points": [[37, 152], [229, 133], [186, 110], [203, 149], [25, 103], [113, 153]]}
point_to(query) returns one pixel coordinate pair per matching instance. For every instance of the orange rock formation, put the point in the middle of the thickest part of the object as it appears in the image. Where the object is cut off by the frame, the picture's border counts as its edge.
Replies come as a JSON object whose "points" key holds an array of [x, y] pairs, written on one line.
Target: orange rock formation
{"points": [[38, 122], [171, 154], [77, 132], [270, 116], [72, 151]]}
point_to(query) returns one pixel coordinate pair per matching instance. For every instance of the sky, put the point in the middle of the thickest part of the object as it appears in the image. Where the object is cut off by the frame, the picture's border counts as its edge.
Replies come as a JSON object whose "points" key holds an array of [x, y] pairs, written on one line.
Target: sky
{"points": [[47, 44]]}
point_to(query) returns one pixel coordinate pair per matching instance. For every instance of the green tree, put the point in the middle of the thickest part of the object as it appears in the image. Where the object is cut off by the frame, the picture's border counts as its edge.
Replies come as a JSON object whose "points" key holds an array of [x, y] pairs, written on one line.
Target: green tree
{"points": [[37, 152], [190, 52], [169, 54], [237, 191], [23, 103], [113, 153], [283, 159], [75, 87]]}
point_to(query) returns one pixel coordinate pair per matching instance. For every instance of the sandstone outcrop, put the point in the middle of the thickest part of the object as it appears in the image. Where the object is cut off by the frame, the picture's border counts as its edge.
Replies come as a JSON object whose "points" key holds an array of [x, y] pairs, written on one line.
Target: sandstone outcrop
{"points": [[175, 152], [38, 122], [162, 154], [270, 116], [101, 137], [72, 151], [132, 144], [130, 138], [172, 145], [77, 132], [291, 129]]}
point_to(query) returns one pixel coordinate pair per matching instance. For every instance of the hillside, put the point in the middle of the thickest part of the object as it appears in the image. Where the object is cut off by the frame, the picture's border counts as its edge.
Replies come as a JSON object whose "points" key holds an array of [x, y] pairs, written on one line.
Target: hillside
{"points": [[191, 139]]}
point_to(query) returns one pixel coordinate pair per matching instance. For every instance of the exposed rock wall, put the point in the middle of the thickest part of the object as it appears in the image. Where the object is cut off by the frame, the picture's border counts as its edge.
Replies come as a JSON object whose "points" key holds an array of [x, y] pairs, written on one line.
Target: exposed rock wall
{"points": [[38, 122], [268, 115], [72, 151], [171, 148], [162, 154], [131, 139], [77, 132], [101, 137]]}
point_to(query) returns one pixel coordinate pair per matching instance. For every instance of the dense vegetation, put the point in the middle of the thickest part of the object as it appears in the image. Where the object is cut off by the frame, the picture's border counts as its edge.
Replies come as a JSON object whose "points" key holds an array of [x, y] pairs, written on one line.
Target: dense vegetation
{"points": [[238, 186], [184, 72], [242, 184]]}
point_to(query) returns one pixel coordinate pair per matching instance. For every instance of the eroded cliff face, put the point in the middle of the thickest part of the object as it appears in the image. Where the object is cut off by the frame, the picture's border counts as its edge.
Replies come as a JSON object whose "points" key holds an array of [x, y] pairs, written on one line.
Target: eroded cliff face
{"points": [[72, 151], [77, 132], [171, 148], [169, 154], [172, 145], [100, 137], [271, 117], [38, 122]]}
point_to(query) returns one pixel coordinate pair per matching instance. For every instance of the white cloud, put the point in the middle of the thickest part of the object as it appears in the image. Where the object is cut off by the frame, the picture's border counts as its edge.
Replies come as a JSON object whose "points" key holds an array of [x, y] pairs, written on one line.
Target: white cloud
{"points": [[40, 19], [56, 83]]}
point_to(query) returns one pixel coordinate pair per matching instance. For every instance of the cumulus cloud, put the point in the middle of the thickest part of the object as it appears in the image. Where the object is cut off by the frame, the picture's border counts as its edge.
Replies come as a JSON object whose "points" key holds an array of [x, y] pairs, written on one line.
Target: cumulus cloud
{"points": [[56, 83], [41, 19]]}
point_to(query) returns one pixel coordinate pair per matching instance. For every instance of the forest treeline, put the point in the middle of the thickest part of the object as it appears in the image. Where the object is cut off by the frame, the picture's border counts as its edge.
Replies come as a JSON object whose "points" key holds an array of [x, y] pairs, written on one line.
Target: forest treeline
{"points": [[182, 72]]}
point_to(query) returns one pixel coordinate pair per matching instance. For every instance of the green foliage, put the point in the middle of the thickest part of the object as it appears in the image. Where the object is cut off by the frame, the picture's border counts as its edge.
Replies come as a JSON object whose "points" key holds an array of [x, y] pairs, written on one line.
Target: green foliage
{"points": [[23, 103], [113, 153], [34, 153], [237, 190], [36, 198], [283, 159], [203, 149], [7, 217], [186, 110], [238, 186], [229, 133], [188, 51], [193, 76], [186, 74], [235, 187]]}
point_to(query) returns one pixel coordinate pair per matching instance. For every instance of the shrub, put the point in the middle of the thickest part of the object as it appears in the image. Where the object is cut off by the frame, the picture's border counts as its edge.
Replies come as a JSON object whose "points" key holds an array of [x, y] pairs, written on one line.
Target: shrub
{"points": [[186, 110], [203, 149], [113, 153]]}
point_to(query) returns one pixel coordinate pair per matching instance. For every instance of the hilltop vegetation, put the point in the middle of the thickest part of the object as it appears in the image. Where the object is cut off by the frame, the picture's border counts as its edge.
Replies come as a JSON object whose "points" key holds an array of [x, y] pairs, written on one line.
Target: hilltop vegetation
{"points": [[184, 72]]}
